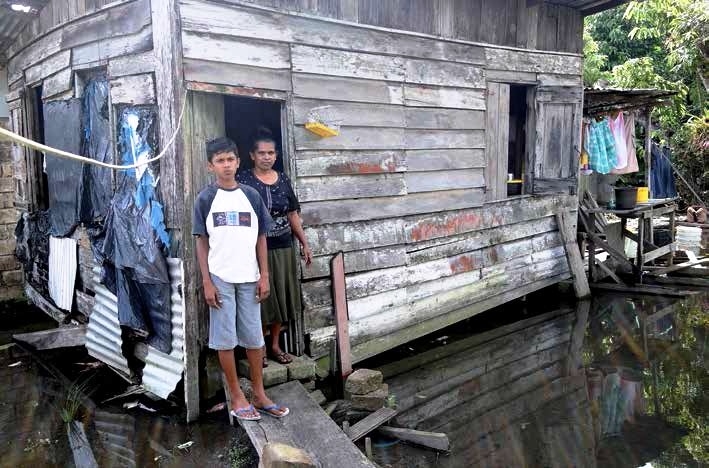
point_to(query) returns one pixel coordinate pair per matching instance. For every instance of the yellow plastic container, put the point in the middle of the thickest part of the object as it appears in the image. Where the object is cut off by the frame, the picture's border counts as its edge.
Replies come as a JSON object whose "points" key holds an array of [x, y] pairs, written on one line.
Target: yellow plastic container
{"points": [[643, 194], [321, 130]]}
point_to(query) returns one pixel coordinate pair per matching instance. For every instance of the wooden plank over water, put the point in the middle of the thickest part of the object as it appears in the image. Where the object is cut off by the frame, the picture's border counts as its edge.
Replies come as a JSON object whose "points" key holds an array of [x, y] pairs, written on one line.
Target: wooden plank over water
{"points": [[307, 427], [62, 337], [370, 423]]}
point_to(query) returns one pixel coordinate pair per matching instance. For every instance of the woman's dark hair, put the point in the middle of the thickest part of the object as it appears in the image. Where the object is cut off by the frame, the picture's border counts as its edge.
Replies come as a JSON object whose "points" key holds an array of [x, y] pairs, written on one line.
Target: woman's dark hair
{"points": [[263, 135], [220, 145]]}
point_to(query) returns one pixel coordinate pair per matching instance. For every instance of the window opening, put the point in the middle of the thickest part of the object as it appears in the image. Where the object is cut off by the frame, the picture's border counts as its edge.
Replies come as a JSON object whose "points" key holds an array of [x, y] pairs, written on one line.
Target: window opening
{"points": [[517, 143]]}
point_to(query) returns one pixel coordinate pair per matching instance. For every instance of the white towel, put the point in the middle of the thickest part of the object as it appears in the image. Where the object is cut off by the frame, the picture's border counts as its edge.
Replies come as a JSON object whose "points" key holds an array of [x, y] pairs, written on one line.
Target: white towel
{"points": [[62, 270]]}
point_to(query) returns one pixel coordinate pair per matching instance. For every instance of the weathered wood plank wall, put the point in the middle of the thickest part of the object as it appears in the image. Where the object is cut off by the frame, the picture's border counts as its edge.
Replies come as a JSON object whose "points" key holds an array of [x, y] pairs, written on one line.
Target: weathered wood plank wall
{"points": [[68, 37], [401, 190], [507, 22]]}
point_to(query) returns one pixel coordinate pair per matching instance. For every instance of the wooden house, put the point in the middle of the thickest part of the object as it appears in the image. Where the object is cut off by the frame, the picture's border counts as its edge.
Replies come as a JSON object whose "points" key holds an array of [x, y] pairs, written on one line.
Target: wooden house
{"points": [[440, 103]]}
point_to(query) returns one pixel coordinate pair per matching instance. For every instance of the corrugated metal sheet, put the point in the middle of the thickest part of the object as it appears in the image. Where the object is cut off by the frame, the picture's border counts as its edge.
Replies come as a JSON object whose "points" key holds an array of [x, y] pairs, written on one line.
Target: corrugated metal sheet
{"points": [[162, 371], [103, 334], [62, 270]]}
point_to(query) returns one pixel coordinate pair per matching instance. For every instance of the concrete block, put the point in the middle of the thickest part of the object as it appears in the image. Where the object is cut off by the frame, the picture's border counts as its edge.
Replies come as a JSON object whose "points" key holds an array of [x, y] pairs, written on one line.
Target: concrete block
{"points": [[12, 278], [318, 397], [8, 293], [7, 184], [8, 263], [274, 374], [363, 381], [276, 455], [7, 247], [371, 401], [301, 368], [9, 216]]}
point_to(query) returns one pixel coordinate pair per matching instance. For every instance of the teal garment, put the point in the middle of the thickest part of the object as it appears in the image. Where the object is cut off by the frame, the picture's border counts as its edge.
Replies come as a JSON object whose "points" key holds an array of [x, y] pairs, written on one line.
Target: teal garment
{"points": [[602, 155]]}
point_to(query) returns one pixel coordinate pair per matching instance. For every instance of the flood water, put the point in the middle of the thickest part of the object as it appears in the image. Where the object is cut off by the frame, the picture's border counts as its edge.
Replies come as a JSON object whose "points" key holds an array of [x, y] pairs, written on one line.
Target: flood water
{"points": [[618, 382]]}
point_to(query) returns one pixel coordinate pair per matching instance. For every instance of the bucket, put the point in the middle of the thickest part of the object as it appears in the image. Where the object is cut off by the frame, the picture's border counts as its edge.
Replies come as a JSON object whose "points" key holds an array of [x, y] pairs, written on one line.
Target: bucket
{"points": [[626, 198], [643, 194]]}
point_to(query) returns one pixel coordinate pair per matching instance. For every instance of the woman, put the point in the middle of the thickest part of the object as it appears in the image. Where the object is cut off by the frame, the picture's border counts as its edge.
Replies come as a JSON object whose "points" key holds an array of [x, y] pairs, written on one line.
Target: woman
{"points": [[277, 192]]}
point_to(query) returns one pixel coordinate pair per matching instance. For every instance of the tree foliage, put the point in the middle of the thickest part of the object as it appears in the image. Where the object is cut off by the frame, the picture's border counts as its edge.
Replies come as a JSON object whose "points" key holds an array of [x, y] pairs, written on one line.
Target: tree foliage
{"points": [[659, 44]]}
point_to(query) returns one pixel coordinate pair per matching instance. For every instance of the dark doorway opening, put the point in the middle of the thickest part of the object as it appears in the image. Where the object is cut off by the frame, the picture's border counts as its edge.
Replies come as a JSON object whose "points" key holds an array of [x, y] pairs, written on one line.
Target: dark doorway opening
{"points": [[243, 116], [517, 145], [37, 178]]}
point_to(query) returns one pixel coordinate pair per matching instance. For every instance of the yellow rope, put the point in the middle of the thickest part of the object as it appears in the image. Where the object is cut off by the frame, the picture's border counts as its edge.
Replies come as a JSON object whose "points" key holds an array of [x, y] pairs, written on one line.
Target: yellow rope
{"points": [[20, 140]]}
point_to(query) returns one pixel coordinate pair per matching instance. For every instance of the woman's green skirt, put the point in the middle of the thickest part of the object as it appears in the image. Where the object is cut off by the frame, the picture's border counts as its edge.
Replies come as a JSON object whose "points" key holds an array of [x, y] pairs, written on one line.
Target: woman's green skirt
{"points": [[283, 304]]}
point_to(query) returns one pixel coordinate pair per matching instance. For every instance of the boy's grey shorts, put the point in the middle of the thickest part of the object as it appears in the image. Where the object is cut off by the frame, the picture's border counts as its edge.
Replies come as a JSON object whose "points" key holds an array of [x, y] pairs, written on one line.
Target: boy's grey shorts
{"points": [[238, 321]]}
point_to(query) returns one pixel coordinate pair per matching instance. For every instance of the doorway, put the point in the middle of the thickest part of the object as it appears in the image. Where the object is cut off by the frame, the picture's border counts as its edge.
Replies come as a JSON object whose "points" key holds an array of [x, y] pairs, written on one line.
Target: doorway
{"points": [[243, 116]]}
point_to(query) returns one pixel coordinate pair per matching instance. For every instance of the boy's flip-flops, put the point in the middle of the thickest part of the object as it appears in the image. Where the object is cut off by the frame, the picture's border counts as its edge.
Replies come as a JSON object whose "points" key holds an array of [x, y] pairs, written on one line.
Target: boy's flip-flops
{"points": [[275, 410], [246, 414]]}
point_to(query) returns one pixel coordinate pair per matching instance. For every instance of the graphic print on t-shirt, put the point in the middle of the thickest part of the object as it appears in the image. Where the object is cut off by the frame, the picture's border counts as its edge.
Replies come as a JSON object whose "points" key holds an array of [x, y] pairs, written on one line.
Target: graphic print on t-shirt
{"points": [[231, 218]]}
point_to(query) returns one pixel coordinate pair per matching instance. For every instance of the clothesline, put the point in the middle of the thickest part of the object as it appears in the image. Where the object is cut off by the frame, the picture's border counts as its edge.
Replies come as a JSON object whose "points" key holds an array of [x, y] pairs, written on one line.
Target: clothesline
{"points": [[26, 142]]}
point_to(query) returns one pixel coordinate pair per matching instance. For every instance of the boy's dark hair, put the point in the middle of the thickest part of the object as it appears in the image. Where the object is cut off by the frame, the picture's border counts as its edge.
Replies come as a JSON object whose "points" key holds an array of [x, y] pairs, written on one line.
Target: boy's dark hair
{"points": [[263, 135], [220, 145]]}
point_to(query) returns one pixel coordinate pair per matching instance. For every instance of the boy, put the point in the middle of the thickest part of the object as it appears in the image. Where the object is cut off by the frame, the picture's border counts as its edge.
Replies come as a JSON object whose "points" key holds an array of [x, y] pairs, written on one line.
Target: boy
{"points": [[231, 222]]}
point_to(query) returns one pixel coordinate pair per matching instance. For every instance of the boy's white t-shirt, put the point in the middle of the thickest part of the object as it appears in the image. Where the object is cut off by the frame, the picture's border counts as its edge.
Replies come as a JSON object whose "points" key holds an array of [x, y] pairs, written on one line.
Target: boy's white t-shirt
{"points": [[233, 220]]}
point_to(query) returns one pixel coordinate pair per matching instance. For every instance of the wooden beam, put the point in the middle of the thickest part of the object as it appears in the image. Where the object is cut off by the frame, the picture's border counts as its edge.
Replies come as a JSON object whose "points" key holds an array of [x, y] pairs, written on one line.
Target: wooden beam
{"points": [[370, 423], [37, 299], [307, 427], [339, 295], [573, 254], [434, 440], [607, 271], [680, 281], [640, 289], [62, 337], [679, 266], [167, 50], [659, 252]]}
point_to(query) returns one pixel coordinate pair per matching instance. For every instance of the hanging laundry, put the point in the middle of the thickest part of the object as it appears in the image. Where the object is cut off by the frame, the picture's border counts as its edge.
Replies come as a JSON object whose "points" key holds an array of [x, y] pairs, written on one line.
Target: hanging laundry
{"points": [[617, 126], [584, 159], [662, 180], [602, 154], [629, 133]]}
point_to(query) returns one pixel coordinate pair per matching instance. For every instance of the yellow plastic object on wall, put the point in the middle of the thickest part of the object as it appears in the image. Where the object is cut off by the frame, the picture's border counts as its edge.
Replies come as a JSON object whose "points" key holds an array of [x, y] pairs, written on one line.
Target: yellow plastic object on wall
{"points": [[321, 129], [643, 194]]}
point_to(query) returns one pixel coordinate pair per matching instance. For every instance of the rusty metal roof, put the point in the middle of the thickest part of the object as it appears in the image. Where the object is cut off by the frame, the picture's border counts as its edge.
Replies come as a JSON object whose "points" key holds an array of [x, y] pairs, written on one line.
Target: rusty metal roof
{"points": [[586, 7], [13, 22], [599, 101]]}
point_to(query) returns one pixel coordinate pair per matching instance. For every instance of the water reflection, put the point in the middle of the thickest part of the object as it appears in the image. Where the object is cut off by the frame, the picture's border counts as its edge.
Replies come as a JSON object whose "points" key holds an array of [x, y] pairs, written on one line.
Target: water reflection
{"points": [[49, 421], [618, 382]]}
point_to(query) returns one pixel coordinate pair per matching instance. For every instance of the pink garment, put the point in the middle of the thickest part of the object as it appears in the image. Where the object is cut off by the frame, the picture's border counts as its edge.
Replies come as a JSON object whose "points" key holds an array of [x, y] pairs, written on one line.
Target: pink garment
{"points": [[629, 136], [617, 125]]}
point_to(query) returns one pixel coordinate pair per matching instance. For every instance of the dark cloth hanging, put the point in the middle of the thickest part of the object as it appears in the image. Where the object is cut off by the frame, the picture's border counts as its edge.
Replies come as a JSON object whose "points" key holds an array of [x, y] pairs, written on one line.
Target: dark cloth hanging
{"points": [[97, 145], [65, 184], [662, 180], [136, 269]]}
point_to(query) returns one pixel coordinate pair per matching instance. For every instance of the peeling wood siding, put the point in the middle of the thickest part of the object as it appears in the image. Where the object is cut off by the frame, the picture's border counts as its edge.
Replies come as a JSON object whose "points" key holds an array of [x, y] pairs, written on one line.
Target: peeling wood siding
{"points": [[401, 189], [502, 22]]}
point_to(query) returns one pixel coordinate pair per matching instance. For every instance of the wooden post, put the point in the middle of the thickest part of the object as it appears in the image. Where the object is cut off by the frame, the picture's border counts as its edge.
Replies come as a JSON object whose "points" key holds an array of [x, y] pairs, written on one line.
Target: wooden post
{"points": [[573, 255], [342, 324], [167, 47], [639, 261], [648, 149], [574, 359]]}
